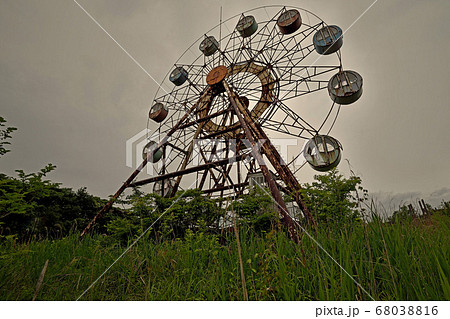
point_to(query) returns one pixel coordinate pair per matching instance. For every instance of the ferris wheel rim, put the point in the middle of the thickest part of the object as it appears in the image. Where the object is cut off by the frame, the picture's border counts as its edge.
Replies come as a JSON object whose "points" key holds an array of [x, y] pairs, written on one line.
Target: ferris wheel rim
{"points": [[160, 84], [280, 8]]}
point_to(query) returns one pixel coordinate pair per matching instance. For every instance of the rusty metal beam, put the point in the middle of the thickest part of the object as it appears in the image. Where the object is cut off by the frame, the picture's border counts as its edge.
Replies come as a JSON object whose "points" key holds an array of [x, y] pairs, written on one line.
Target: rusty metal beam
{"points": [[283, 170], [222, 132], [209, 169], [176, 148], [214, 152], [204, 119], [222, 188], [203, 180], [238, 107], [187, 157], [285, 174], [187, 171], [206, 107]]}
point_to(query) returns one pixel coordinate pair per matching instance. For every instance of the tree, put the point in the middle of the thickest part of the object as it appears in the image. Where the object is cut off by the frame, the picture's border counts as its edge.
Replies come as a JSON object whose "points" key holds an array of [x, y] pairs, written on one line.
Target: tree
{"points": [[30, 205], [5, 133], [188, 210], [257, 210], [331, 198]]}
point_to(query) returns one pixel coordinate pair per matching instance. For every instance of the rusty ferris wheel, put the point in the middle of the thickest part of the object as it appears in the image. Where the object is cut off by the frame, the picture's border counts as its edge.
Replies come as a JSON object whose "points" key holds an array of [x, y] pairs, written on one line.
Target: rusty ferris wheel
{"points": [[226, 91]]}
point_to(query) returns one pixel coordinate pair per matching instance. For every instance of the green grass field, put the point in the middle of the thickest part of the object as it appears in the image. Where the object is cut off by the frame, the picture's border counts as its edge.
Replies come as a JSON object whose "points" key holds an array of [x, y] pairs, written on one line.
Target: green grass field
{"points": [[401, 261]]}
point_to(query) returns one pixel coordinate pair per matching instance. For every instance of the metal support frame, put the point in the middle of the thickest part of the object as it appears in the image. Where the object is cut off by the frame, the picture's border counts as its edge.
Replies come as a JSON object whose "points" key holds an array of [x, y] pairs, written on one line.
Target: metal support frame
{"points": [[275, 159], [187, 171], [238, 107]]}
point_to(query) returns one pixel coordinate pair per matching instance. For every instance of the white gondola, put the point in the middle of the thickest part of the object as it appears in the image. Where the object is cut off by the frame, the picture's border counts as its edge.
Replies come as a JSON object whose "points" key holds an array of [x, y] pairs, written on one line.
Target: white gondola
{"points": [[323, 153], [345, 87]]}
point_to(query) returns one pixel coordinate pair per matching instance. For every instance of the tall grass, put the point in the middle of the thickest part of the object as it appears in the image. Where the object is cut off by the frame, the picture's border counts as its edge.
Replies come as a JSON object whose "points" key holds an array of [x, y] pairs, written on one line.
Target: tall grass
{"points": [[401, 261]]}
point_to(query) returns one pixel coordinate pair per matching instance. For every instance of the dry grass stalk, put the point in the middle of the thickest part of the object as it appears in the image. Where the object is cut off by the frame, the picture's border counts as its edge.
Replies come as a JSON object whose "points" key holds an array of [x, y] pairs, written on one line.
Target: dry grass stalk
{"points": [[236, 231], [40, 280]]}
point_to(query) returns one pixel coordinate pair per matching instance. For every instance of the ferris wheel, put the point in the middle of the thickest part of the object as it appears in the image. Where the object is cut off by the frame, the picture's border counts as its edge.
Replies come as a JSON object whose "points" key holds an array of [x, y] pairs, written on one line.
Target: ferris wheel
{"points": [[250, 75]]}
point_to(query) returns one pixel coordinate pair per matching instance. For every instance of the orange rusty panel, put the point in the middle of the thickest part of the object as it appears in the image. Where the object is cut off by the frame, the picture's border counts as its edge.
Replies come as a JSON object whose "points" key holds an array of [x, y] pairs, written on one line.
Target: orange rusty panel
{"points": [[216, 75]]}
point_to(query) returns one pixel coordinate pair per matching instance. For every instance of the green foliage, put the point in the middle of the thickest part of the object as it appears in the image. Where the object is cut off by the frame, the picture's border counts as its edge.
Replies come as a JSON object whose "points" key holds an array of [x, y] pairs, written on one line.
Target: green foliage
{"points": [[257, 210], [30, 205], [333, 199], [181, 257], [404, 213], [445, 208], [186, 211], [5, 134], [407, 213]]}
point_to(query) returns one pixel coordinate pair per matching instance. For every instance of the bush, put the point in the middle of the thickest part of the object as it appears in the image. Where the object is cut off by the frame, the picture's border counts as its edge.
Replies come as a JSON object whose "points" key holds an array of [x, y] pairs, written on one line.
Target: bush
{"points": [[257, 210], [186, 211], [333, 199]]}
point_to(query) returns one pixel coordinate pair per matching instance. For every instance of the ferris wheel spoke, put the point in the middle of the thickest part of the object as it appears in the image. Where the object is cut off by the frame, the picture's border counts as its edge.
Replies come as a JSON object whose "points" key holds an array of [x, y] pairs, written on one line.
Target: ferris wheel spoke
{"points": [[242, 82], [265, 37], [302, 80], [288, 129], [293, 58], [232, 47], [286, 47], [301, 87], [173, 101], [290, 121]]}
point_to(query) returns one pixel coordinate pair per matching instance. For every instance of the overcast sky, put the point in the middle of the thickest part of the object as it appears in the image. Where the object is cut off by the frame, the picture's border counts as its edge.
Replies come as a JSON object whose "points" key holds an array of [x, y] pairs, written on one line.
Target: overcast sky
{"points": [[76, 97]]}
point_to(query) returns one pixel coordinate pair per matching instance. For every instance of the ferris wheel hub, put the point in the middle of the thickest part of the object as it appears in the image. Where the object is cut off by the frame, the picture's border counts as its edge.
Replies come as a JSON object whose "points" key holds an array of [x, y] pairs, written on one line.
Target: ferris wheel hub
{"points": [[216, 75]]}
